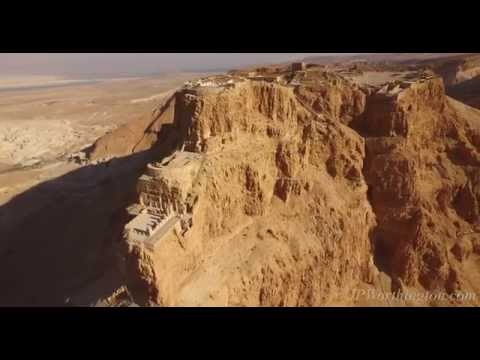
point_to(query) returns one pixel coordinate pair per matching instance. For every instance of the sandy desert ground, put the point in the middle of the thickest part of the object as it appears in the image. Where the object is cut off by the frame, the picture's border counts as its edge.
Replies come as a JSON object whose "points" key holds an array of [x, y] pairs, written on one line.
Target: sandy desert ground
{"points": [[43, 120]]}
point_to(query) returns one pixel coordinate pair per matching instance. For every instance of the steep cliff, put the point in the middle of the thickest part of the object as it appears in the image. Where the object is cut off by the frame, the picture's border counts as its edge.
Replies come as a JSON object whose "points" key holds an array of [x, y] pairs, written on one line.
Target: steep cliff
{"points": [[332, 95], [467, 92], [301, 194], [280, 215], [456, 69], [461, 75], [422, 167]]}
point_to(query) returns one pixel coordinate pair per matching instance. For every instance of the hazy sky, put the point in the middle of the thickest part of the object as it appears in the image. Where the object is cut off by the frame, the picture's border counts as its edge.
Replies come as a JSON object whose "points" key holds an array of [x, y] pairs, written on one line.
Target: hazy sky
{"points": [[133, 64]]}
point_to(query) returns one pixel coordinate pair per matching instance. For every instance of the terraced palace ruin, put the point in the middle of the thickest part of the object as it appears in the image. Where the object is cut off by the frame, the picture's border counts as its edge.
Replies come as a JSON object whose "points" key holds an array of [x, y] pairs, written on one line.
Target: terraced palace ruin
{"points": [[165, 199]]}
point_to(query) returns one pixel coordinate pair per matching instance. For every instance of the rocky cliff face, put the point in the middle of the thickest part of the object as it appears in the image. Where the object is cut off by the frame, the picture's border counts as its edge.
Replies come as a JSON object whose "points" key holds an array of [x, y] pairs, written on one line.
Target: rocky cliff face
{"points": [[458, 69], [332, 95], [269, 224], [422, 168], [461, 76], [306, 193]]}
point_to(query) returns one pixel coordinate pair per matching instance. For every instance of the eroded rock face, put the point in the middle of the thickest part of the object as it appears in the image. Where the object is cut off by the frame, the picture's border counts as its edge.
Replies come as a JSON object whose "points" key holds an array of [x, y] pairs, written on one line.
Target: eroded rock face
{"points": [[461, 76], [307, 192], [332, 95], [457, 70], [421, 184], [269, 224]]}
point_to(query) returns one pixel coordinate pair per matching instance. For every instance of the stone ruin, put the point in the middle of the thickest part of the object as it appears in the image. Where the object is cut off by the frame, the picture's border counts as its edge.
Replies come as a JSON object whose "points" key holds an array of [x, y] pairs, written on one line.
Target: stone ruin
{"points": [[222, 82], [164, 199], [219, 81]]}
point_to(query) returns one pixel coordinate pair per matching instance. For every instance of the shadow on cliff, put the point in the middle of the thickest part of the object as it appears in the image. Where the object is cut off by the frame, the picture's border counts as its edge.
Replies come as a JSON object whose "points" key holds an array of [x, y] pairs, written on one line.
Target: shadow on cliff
{"points": [[467, 91], [57, 239]]}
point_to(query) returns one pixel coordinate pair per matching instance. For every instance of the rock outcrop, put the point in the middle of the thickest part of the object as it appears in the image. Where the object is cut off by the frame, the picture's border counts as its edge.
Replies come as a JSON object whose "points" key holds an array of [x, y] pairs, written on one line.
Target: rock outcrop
{"points": [[457, 69], [332, 95], [269, 221], [307, 192], [422, 168], [461, 75]]}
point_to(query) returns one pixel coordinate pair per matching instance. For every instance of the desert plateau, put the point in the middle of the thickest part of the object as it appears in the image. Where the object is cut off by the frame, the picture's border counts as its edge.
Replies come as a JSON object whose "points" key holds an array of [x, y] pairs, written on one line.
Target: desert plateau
{"points": [[347, 180]]}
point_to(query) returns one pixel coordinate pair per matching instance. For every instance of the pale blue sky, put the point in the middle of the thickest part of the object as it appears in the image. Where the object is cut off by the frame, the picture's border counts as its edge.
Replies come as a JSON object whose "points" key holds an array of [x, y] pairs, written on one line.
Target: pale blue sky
{"points": [[134, 64]]}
